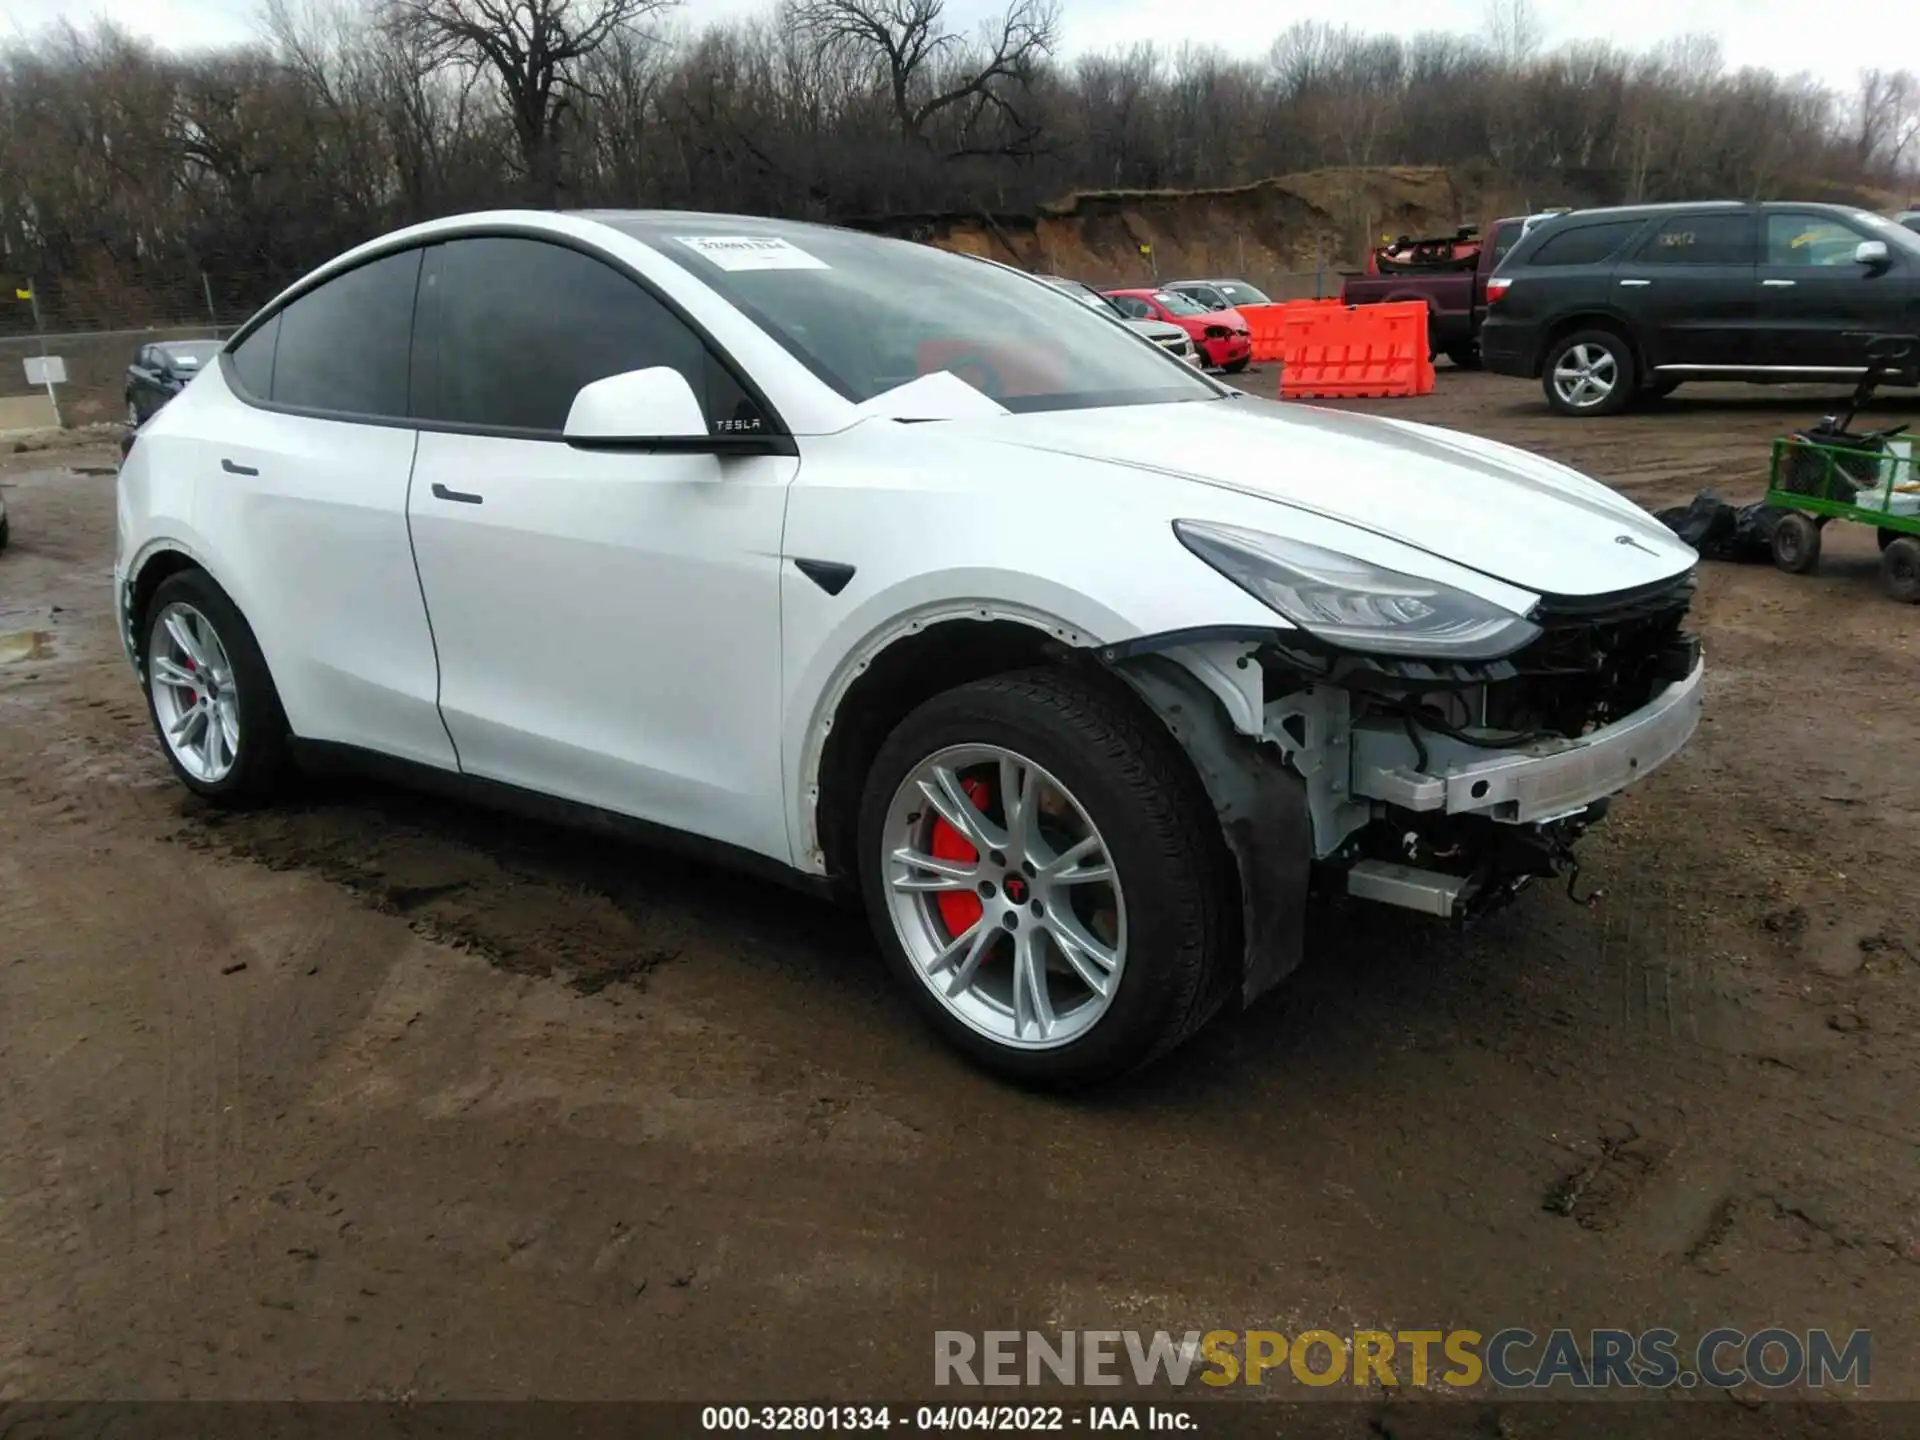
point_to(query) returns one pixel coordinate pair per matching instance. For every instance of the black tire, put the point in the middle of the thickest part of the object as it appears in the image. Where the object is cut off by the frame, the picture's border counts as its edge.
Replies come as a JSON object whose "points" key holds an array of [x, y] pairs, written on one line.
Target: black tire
{"points": [[1900, 569], [1618, 359], [1235, 367], [261, 762], [6, 531], [1796, 543], [1465, 357], [1164, 840]]}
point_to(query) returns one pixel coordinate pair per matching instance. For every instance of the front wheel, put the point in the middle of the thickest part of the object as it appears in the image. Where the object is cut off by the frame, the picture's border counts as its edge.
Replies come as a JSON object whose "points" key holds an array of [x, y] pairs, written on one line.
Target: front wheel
{"points": [[1046, 877], [1589, 373], [1465, 357], [1796, 543], [1234, 367], [211, 698]]}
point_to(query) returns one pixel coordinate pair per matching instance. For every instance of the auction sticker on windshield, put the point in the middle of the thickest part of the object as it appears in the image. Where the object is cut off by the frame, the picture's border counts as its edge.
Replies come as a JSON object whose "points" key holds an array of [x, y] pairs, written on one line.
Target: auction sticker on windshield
{"points": [[751, 252]]}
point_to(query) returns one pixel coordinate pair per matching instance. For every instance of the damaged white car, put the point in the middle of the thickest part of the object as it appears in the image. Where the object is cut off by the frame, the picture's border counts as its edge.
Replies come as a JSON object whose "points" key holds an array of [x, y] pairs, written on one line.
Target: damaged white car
{"points": [[900, 575]]}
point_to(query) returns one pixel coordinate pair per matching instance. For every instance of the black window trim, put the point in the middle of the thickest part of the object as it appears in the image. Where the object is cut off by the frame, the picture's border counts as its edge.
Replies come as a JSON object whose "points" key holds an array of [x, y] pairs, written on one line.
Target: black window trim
{"points": [[777, 439]]}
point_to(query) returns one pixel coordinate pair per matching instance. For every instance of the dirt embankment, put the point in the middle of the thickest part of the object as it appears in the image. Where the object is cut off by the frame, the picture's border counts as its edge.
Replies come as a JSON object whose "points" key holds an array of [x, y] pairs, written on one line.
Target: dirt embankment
{"points": [[1280, 232]]}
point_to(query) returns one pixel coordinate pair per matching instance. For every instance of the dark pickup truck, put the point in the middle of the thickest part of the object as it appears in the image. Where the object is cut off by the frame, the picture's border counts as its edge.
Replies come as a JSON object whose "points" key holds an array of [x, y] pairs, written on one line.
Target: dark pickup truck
{"points": [[1455, 297]]}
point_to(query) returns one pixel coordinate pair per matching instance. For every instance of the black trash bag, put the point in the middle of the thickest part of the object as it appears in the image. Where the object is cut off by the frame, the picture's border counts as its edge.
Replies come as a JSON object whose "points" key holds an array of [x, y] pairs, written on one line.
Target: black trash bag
{"points": [[1720, 530]]}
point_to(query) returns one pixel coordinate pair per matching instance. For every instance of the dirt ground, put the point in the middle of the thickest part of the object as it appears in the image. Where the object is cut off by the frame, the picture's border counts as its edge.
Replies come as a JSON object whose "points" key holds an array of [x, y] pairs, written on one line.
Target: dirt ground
{"points": [[379, 1097]]}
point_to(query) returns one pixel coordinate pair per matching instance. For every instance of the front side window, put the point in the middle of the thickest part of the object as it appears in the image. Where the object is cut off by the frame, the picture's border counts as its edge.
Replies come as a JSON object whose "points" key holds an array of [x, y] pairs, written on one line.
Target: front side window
{"points": [[868, 314], [1132, 306], [1239, 294], [1582, 244], [342, 348], [511, 329], [1712, 239], [1810, 240]]}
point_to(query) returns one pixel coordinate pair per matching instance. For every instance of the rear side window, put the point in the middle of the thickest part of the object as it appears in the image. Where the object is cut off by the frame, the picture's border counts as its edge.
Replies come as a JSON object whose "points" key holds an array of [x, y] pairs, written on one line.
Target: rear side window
{"points": [[511, 329], [1582, 244], [252, 361], [1700, 240], [343, 347]]}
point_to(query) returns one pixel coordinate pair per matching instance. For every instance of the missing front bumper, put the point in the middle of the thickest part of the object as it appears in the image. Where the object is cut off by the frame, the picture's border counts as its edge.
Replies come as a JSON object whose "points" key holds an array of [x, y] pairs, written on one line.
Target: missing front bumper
{"points": [[1526, 786]]}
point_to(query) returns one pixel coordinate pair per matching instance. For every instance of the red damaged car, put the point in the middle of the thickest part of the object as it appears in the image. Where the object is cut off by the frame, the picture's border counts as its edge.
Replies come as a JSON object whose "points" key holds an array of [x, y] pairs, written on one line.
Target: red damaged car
{"points": [[1220, 336]]}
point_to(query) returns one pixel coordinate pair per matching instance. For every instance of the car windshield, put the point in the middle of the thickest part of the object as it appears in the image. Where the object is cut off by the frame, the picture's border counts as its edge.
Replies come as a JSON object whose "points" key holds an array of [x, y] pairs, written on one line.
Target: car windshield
{"points": [[1174, 303], [868, 314], [1241, 294], [189, 354]]}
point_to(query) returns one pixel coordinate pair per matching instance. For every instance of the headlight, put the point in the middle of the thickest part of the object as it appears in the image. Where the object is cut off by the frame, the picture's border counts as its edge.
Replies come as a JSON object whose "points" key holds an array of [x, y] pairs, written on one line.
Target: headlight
{"points": [[1355, 604]]}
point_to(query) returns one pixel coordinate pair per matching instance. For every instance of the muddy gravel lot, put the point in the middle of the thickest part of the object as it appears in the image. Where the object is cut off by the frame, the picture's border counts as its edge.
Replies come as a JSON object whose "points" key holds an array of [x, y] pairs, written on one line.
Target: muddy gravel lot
{"points": [[379, 1097]]}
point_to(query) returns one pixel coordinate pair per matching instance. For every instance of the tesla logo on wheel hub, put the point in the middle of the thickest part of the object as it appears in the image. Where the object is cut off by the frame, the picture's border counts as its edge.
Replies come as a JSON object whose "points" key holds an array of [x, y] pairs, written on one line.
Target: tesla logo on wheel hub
{"points": [[1016, 889]]}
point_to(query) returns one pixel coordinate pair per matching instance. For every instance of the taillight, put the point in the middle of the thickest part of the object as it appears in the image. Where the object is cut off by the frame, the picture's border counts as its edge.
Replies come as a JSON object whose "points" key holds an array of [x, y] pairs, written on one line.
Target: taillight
{"points": [[1497, 287]]}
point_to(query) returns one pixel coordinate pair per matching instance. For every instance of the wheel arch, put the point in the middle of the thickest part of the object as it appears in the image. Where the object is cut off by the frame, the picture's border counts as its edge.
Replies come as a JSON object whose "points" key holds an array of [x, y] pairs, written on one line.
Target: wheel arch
{"points": [[153, 566], [1595, 319]]}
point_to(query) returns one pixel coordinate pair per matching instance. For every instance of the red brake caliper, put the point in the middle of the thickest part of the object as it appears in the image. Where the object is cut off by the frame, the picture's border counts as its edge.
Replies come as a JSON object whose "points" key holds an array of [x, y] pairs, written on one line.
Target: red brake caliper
{"points": [[959, 909]]}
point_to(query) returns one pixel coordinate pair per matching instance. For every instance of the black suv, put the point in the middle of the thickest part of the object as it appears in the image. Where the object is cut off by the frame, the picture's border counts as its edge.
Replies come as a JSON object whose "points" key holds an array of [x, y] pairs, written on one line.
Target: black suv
{"points": [[1602, 305]]}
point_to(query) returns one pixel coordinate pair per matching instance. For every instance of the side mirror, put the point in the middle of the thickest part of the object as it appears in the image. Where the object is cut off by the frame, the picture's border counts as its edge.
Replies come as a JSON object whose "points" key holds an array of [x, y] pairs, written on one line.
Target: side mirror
{"points": [[1871, 253], [636, 407]]}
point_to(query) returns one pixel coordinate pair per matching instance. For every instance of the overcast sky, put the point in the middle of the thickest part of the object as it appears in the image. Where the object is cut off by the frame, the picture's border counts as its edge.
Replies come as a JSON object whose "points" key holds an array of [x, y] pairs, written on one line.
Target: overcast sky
{"points": [[1784, 35]]}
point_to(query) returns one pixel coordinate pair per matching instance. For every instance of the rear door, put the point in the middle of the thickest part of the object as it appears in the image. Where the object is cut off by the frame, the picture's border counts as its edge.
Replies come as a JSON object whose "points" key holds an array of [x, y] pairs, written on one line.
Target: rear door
{"points": [[1815, 298], [1689, 285], [305, 498]]}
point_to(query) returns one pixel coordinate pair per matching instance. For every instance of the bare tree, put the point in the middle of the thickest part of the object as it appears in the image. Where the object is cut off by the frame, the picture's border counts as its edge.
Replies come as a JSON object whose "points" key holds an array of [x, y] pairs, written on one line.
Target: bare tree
{"points": [[929, 72], [1514, 30], [533, 50], [1886, 118]]}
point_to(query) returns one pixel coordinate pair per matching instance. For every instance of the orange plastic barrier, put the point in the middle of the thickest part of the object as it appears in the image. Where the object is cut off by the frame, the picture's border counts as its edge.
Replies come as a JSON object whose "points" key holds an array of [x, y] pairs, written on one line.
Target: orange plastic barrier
{"points": [[1345, 351], [1267, 325]]}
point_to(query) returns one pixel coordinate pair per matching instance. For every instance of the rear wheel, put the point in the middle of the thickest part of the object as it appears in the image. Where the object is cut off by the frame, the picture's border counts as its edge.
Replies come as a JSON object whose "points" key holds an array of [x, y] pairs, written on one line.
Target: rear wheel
{"points": [[1465, 357], [1046, 878], [1796, 543], [213, 703], [1590, 372], [1900, 569]]}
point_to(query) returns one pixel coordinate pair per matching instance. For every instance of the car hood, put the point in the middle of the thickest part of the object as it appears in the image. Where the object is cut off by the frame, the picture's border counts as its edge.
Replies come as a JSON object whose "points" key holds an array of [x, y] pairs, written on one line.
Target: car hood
{"points": [[1157, 329], [1508, 514]]}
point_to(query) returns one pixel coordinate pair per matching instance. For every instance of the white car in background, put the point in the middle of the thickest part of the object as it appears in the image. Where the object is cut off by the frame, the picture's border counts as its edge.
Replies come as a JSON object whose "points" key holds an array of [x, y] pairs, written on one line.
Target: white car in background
{"points": [[1168, 336], [898, 575]]}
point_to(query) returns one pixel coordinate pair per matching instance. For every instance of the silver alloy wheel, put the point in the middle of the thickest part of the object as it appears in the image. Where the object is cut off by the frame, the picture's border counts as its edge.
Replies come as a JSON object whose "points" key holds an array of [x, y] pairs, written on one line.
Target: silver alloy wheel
{"points": [[194, 696], [1585, 375], [1043, 960]]}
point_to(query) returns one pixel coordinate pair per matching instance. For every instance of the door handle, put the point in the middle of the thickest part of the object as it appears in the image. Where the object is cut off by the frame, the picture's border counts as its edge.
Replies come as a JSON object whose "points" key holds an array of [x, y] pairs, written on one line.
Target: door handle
{"points": [[1636, 283], [464, 497], [1779, 284], [233, 469]]}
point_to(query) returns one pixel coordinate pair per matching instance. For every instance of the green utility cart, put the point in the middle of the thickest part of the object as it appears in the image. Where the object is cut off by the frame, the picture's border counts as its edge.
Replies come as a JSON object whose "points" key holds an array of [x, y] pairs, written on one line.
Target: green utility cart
{"points": [[1833, 472]]}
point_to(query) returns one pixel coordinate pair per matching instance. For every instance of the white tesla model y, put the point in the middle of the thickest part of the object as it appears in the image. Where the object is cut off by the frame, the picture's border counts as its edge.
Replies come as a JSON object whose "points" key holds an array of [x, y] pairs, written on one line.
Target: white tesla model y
{"points": [[905, 577]]}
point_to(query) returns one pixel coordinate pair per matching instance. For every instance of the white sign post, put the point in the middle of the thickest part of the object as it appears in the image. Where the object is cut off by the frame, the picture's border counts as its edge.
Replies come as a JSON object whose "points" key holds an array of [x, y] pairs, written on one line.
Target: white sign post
{"points": [[48, 370]]}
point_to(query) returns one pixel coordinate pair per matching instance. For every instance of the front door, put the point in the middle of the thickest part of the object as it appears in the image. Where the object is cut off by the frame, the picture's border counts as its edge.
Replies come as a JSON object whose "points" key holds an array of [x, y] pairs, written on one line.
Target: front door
{"points": [[1688, 288], [1817, 302], [608, 623]]}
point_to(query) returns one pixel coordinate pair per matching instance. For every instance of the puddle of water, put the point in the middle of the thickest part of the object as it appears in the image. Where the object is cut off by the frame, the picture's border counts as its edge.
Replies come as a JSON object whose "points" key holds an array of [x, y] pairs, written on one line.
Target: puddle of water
{"points": [[26, 645]]}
